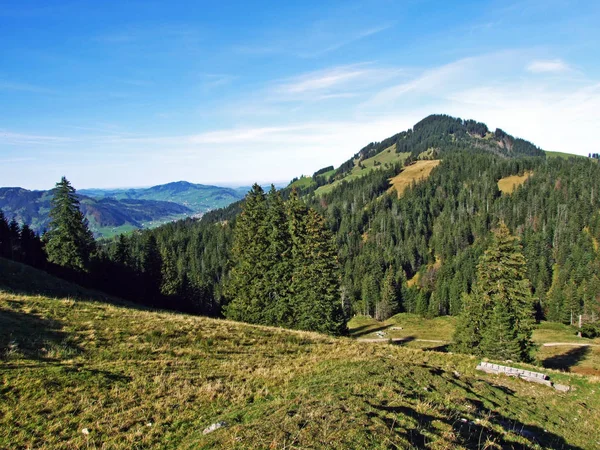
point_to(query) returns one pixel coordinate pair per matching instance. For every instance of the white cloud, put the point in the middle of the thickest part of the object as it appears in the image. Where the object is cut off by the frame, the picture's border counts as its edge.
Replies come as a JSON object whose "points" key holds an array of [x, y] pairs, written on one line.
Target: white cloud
{"points": [[324, 80], [340, 82], [557, 113], [7, 137], [547, 66]]}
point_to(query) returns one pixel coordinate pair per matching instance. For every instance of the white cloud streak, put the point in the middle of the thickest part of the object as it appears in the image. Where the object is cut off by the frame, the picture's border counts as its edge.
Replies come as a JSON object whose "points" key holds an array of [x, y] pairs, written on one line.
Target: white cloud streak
{"points": [[557, 113], [547, 66]]}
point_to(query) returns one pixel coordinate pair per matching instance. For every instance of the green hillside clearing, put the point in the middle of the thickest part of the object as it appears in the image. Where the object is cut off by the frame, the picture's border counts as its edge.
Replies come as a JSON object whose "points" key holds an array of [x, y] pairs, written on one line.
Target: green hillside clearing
{"points": [[136, 378], [413, 173], [562, 155], [387, 156], [508, 184], [437, 333]]}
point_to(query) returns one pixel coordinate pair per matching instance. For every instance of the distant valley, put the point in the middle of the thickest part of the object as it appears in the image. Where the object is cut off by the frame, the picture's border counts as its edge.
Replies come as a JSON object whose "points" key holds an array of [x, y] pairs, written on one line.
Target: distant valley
{"points": [[113, 211]]}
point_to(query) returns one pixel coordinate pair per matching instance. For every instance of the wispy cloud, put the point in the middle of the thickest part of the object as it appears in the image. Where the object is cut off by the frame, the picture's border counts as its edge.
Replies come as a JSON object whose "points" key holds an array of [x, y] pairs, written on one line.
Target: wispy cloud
{"points": [[25, 87], [214, 80], [323, 80], [15, 160], [319, 39], [8, 137], [547, 66], [366, 103], [340, 82], [335, 41]]}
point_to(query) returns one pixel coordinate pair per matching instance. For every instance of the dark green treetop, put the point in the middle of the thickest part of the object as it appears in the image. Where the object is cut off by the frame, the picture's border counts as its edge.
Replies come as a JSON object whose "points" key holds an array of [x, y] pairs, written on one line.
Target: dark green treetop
{"points": [[69, 242], [497, 319]]}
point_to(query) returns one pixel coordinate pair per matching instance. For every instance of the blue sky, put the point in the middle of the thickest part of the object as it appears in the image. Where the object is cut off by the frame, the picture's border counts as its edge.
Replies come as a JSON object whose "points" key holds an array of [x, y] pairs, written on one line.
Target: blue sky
{"points": [[127, 93]]}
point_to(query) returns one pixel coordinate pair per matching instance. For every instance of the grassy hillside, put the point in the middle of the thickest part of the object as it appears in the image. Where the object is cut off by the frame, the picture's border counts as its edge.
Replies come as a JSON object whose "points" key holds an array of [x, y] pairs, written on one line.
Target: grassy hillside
{"points": [[562, 155], [508, 184], [136, 378], [437, 334], [386, 157], [417, 171]]}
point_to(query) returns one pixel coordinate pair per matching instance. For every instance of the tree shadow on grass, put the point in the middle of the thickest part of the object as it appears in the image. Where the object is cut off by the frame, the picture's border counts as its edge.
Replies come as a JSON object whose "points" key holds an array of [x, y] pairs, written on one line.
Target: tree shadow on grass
{"points": [[28, 336], [445, 348], [362, 330], [403, 340], [565, 361], [471, 434]]}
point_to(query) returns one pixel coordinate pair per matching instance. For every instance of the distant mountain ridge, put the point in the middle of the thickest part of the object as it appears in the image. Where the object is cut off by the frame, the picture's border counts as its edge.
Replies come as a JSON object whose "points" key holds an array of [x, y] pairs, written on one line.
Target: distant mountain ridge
{"points": [[112, 211], [197, 197]]}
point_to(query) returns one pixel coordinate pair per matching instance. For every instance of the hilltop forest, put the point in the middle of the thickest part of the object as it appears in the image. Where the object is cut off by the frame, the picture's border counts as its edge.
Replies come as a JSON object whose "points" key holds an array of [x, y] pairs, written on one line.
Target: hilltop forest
{"points": [[415, 252]]}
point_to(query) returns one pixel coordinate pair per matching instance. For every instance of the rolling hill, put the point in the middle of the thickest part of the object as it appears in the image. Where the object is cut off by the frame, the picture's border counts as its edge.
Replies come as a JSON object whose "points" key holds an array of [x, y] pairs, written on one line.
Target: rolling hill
{"points": [[112, 212], [106, 216], [429, 139], [81, 370], [198, 198]]}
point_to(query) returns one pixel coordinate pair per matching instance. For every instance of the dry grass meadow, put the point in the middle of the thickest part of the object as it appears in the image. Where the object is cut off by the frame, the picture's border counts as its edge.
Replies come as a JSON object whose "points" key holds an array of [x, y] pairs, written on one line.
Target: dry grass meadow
{"points": [[138, 378]]}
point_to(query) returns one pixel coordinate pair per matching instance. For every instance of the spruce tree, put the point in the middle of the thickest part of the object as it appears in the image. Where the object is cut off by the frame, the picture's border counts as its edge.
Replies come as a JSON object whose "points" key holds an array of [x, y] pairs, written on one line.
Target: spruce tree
{"points": [[151, 271], [247, 285], [388, 299], [69, 242], [497, 319], [31, 247], [170, 281], [279, 310], [4, 236], [318, 303], [14, 235]]}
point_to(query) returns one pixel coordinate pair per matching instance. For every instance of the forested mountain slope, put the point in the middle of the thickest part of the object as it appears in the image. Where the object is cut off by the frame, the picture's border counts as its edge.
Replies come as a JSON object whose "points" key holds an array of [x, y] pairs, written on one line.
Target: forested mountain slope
{"points": [[429, 139], [95, 374], [430, 238], [107, 216]]}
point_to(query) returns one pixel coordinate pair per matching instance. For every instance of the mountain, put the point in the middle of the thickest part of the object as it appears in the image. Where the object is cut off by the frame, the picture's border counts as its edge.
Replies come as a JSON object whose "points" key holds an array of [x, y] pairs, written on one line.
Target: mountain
{"points": [[113, 211], [423, 203], [80, 369], [198, 198], [429, 139], [106, 216]]}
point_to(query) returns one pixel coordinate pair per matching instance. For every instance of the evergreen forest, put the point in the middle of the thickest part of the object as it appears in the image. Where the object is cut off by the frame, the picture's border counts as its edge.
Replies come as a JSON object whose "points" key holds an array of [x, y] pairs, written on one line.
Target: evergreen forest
{"points": [[307, 259]]}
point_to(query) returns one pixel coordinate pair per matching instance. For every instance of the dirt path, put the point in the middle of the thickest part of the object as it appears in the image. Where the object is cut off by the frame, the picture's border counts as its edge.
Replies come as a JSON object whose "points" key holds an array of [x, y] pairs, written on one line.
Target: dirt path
{"points": [[568, 344]]}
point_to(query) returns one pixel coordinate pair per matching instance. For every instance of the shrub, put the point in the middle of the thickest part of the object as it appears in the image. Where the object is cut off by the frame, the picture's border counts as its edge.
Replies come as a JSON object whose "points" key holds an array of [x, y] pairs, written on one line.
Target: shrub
{"points": [[590, 330]]}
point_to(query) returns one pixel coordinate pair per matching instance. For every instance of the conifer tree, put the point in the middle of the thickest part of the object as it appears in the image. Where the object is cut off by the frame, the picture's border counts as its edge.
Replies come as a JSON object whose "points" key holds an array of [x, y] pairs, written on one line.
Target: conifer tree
{"points": [[497, 319], [170, 281], [279, 263], [14, 235], [122, 251], [31, 247], [246, 288], [388, 298], [152, 271], [69, 242], [369, 294], [4, 236], [318, 301], [422, 304]]}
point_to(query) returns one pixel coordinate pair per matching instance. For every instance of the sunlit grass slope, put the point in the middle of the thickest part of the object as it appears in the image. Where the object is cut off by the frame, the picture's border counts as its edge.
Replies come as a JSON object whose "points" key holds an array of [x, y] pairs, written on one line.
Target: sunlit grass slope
{"points": [[436, 334], [386, 157], [414, 173], [138, 378], [507, 185]]}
